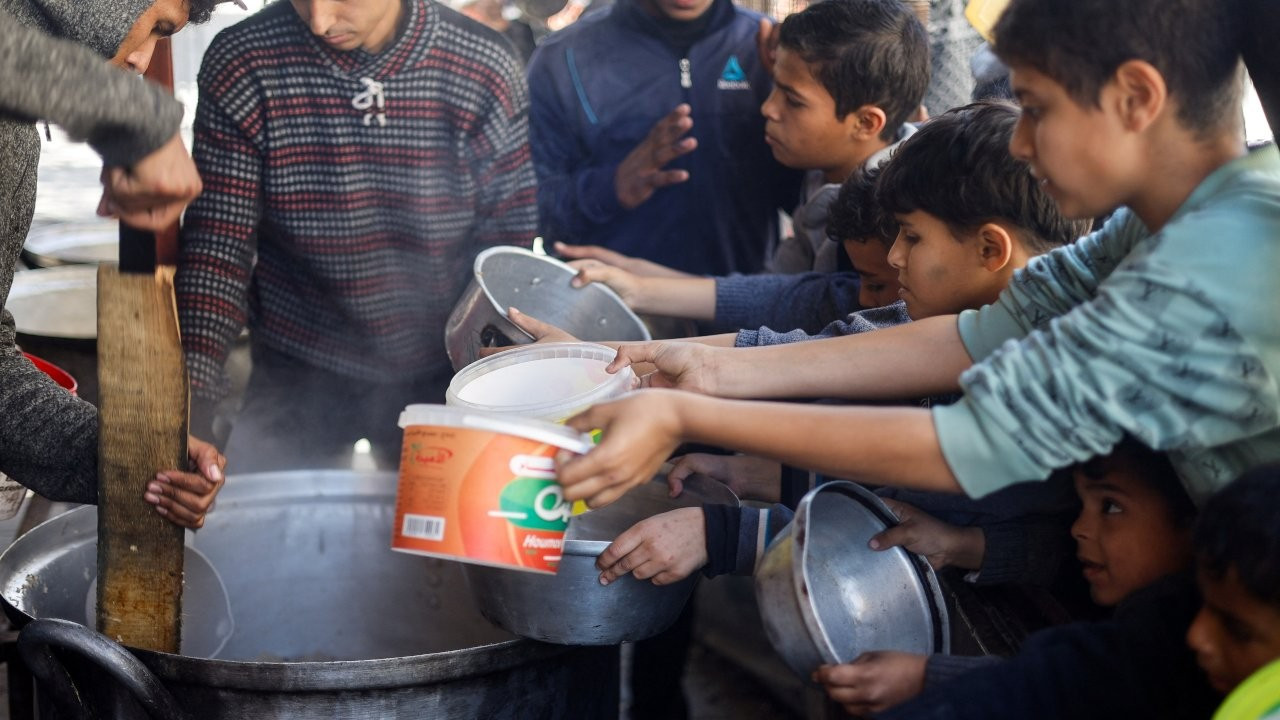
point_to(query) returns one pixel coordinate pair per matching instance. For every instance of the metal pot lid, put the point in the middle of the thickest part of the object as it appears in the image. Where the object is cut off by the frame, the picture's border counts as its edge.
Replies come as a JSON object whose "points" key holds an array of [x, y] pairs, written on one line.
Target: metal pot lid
{"points": [[87, 243], [57, 302], [543, 291], [854, 599]]}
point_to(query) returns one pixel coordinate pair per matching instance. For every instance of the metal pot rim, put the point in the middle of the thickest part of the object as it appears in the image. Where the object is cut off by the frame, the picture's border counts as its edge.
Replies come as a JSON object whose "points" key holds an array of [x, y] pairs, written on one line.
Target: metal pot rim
{"points": [[924, 573]]}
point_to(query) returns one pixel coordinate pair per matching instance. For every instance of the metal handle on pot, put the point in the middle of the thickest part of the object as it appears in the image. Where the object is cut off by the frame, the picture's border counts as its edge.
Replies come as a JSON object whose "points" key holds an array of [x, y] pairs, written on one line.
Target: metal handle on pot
{"points": [[38, 641]]}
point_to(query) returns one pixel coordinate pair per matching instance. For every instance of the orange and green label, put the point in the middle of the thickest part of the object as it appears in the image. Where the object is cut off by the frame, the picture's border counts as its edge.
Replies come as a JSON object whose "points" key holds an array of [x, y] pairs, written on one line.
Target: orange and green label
{"points": [[481, 497]]}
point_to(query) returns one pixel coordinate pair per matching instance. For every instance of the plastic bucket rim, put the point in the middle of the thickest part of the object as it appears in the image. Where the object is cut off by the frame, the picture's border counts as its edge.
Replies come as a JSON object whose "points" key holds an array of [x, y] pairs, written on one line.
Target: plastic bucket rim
{"points": [[427, 415], [618, 383]]}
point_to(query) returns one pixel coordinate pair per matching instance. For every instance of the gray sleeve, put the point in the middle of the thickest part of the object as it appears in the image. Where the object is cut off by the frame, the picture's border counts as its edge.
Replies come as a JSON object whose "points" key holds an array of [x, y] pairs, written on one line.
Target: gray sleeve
{"points": [[122, 117], [49, 438]]}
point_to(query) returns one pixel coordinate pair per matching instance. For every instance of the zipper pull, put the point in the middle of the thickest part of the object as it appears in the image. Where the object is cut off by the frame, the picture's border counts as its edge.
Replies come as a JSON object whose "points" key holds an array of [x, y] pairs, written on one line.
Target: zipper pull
{"points": [[686, 73]]}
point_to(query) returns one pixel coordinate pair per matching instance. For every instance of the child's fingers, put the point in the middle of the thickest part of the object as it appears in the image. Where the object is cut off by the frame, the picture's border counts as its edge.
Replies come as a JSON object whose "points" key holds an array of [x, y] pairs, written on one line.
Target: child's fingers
{"points": [[899, 535], [621, 547], [627, 564], [681, 468]]}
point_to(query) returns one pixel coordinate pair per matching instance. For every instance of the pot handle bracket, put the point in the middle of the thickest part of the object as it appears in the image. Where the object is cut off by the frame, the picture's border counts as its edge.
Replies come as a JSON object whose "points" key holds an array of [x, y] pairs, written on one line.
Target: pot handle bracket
{"points": [[40, 638]]}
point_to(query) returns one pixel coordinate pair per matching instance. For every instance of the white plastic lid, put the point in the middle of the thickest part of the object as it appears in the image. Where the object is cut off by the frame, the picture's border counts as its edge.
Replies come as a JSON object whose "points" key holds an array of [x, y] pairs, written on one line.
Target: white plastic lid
{"points": [[548, 381], [538, 430]]}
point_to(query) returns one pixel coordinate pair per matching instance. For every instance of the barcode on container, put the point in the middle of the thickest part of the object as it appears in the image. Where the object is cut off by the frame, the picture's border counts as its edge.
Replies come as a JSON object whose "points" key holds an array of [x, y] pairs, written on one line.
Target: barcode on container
{"points": [[425, 527]]}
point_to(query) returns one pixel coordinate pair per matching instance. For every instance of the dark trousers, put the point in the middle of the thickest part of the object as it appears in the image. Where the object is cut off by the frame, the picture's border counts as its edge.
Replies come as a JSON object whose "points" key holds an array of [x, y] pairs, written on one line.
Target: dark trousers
{"points": [[295, 416]]}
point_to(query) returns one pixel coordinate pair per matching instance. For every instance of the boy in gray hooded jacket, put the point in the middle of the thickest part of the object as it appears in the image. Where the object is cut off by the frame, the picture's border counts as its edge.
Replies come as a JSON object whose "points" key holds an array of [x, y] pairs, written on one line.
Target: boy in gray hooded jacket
{"points": [[52, 69]]}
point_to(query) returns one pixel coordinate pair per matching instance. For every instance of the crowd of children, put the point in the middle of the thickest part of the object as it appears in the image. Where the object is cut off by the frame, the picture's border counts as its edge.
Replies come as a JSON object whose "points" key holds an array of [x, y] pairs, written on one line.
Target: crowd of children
{"points": [[1142, 360]]}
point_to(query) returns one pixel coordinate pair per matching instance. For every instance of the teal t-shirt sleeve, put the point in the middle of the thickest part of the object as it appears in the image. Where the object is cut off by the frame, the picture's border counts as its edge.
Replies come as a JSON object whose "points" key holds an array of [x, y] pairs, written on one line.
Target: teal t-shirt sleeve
{"points": [[1152, 355], [1050, 285]]}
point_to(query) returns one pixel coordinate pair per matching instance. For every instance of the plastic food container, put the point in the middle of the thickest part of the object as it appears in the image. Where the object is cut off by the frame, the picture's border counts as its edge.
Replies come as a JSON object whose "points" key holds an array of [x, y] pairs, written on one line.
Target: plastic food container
{"points": [[481, 488], [552, 381]]}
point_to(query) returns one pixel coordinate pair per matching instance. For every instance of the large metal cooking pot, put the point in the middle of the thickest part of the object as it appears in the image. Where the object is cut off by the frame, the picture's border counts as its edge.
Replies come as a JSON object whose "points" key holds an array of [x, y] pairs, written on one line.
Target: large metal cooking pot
{"points": [[72, 243], [55, 313], [538, 285], [329, 622], [572, 606], [825, 597]]}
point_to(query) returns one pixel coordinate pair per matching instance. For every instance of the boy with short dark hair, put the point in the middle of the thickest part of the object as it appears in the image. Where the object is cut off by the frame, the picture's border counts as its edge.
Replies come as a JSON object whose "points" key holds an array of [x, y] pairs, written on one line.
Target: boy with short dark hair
{"points": [[847, 76], [1160, 325], [1237, 551]]}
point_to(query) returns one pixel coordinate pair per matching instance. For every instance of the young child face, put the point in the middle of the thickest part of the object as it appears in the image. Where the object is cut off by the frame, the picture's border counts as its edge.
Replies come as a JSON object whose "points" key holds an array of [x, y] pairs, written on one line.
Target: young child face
{"points": [[879, 281], [1126, 537], [1076, 152], [800, 122], [938, 273], [1235, 633]]}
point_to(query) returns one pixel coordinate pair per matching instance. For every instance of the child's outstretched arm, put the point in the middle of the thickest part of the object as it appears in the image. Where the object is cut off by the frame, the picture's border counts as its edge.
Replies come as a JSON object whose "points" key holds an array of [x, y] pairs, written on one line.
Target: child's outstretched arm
{"points": [[750, 478], [941, 543], [666, 548], [896, 446], [917, 359]]}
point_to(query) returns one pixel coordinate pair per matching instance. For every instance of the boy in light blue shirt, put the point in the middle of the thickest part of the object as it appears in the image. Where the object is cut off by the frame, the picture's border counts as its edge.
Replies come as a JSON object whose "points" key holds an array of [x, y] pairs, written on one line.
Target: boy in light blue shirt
{"points": [[1161, 324]]}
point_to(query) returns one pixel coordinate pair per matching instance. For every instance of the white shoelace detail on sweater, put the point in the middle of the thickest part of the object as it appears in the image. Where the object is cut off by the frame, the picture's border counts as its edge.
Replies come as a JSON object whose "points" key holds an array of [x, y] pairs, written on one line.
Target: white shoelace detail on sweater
{"points": [[372, 101]]}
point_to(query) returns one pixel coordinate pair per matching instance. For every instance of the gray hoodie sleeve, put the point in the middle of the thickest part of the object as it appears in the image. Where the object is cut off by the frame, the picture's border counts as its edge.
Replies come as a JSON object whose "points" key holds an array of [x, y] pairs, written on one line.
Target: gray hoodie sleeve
{"points": [[49, 439], [64, 82]]}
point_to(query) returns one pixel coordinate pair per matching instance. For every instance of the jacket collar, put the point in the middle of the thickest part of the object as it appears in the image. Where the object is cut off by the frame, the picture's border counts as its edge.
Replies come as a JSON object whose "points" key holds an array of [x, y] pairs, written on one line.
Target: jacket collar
{"points": [[632, 15]]}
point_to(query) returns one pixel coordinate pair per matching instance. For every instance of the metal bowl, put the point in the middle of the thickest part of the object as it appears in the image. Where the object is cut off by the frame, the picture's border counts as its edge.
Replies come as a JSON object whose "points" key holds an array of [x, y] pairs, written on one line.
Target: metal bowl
{"points": [[539, 286], [825, 597], [72, 243], [572, 607]]}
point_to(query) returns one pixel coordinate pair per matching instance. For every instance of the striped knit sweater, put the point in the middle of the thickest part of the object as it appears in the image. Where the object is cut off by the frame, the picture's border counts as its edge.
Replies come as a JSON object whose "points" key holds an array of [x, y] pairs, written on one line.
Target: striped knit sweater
{"points": [[346, 194]]}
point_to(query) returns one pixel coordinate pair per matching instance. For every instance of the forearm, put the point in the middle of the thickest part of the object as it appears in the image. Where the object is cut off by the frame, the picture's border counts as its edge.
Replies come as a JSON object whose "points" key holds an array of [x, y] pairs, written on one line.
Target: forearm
{"points": [[895, 446], [50, 438], [913, 360], [693, 298]]}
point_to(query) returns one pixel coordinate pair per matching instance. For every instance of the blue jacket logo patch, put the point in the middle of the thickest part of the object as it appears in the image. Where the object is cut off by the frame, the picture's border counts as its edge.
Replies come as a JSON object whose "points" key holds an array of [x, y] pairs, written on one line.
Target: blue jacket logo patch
{"points": [[732, 77]]}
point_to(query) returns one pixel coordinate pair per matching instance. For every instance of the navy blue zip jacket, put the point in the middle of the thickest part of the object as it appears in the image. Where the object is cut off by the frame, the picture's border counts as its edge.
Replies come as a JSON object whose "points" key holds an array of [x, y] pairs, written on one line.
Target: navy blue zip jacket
{"points": [[598, 87]]}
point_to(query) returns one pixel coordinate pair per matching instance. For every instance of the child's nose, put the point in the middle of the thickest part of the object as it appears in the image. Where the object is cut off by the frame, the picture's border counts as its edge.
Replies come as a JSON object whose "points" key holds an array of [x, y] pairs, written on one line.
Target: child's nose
{"points": [[1080, 528], [897, 254], [1198, 633], [139, 60], [1020, 145], [769, 107]]}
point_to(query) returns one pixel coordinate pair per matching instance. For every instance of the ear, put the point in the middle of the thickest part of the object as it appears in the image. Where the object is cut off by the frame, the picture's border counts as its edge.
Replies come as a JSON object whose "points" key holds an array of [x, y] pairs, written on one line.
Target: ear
{"points": [[866, 123], [1140, 94], [995, 247]]}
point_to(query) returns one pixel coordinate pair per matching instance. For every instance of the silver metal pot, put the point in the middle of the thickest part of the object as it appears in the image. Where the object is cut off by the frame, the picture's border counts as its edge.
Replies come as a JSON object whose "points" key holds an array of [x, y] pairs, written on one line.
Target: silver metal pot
{"points": [[539, 286], [572, 607], [329, 622], [825, 597]]}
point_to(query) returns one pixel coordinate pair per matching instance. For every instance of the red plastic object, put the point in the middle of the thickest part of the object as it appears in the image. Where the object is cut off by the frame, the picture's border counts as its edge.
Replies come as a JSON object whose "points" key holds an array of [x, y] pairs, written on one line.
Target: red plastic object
{"points": [[60, 376]]}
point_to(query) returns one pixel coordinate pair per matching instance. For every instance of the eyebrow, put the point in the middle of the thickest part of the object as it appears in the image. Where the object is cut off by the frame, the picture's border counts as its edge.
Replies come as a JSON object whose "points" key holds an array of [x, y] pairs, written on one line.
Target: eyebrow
{"points": [[1100, 486]]}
